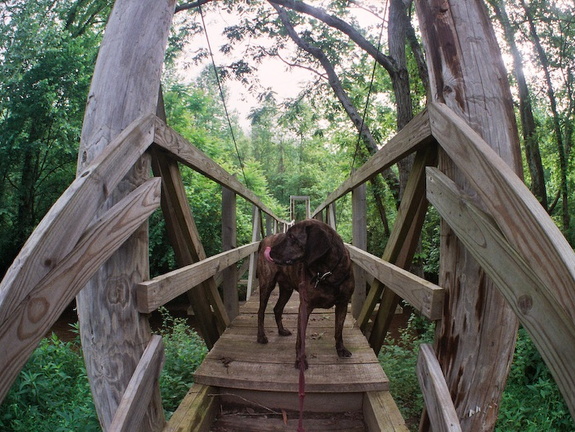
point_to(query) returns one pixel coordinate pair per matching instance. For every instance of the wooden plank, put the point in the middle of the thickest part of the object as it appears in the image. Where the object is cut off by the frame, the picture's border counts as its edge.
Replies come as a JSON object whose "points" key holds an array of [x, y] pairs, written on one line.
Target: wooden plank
{"points": [[380, 413], [437, 398], [523, 221], [139, 392], [314, 402], [229, 241], [359, 236], [191, 156], [424, 296], [158, 291], [33, 317], [196, 412], [188, 249], [58, 232], [416, 133], [256, 220], [236, 422], [550, 328], [124, 86], [400, 246], [319, 378]]}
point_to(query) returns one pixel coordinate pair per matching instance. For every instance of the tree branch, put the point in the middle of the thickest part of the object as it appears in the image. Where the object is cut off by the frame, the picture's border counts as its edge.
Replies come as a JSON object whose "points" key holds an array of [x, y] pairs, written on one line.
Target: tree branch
{"points": [[337, 23]]}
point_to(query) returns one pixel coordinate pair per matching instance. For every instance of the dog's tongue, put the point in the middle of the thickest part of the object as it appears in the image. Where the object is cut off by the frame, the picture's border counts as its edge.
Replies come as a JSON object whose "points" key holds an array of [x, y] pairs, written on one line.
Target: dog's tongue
{"points": [[267, 254]]}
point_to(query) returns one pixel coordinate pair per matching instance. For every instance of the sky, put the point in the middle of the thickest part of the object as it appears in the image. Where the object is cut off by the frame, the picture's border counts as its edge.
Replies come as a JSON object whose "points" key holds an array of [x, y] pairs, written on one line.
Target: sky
{"points": [[273, 73]]}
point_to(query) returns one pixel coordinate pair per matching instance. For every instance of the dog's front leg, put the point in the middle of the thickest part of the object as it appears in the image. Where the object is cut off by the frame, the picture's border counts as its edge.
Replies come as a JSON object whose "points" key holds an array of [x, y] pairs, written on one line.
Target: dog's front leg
{"points": [[302, 320], [340, 313]]}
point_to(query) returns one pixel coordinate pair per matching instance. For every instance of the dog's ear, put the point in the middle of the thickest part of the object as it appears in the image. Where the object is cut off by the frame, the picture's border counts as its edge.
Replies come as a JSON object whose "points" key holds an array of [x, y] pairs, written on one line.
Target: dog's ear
{"points": [[317, 243]]}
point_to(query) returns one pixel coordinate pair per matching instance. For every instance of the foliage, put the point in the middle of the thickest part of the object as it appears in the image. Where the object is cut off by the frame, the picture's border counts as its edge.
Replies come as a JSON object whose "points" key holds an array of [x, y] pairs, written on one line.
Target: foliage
{"points": [[399, 360], [48, 50], [532, 401], [51, 393], [185, 351]]}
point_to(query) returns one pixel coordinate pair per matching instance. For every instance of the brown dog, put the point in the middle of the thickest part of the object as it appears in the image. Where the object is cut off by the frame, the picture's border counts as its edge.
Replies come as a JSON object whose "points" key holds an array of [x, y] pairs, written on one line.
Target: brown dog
{"points": [[312, 259]]}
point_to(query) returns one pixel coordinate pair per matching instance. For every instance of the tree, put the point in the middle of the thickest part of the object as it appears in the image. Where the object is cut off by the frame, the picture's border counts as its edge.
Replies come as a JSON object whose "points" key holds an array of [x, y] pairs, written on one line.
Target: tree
{"points": [[475, 339], [46, 70]]}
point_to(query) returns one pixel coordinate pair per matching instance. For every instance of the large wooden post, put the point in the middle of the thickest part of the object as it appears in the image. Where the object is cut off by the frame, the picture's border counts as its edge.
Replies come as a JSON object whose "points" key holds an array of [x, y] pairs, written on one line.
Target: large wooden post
{"points": [[229, 242], [359, 233], [476, 338], [124, 87]]}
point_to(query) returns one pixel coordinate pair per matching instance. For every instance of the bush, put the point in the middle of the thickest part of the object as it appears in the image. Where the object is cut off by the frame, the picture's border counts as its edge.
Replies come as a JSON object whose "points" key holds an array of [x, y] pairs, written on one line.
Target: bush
{"points": [[185, 351], [532, 401], [52, 392], [399, 360]]}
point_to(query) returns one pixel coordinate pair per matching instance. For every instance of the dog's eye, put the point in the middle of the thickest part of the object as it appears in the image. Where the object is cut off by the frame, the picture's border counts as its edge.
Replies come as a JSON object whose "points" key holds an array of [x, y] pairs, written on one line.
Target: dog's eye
{"points": [[295, 240]]}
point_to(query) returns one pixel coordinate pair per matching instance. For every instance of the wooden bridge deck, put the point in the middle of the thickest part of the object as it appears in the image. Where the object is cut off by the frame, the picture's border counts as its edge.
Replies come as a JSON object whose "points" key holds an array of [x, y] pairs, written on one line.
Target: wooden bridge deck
{"points": [[241, 372]]}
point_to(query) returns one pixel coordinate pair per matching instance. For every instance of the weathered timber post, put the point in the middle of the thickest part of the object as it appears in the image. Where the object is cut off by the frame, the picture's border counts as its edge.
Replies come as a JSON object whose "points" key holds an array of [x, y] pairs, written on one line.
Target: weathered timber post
{"points": [[359, 233], [229, 242], [475, 340], [124, 87]]}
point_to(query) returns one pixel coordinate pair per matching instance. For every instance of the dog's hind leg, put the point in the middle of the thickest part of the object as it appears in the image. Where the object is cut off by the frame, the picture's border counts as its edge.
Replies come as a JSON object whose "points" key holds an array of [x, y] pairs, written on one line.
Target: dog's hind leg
{"points": [[265, 291], [285, 295]]}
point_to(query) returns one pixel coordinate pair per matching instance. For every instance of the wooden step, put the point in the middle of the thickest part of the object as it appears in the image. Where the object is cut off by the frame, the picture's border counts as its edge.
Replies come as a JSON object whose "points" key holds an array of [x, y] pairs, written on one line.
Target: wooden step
{"points": [[237, 361]]}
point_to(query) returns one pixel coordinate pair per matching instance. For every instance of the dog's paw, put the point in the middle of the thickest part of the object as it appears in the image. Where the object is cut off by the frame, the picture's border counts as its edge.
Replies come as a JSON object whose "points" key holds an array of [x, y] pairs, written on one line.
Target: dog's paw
{"points": [[284, 332], [343, 352], [263, 339], [305, 364]]}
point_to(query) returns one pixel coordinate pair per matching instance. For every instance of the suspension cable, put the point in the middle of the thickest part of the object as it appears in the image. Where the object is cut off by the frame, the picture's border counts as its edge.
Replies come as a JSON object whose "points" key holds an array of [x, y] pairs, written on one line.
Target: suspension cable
{"points": [[368, 93], [220, 88]]}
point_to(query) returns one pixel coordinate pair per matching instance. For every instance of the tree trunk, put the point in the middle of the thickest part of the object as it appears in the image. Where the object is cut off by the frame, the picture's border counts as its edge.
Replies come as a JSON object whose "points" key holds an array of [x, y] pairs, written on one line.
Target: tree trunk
{"points": [[125, 87], [476, 337], [532, 153], [563, 168]]}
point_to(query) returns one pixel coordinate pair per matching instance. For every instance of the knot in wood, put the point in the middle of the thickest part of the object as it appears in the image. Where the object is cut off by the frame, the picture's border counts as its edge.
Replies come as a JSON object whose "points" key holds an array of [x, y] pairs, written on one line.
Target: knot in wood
{"points": [[525, 303]]}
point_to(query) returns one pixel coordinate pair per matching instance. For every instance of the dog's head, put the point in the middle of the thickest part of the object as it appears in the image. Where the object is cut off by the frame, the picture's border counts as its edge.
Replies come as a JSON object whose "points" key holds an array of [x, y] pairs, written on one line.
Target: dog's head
{"points": [[306, 241]]}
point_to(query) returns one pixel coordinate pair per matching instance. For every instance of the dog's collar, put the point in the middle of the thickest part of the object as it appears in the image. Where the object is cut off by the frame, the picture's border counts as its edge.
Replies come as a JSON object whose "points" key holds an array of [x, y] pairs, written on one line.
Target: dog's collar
{"points": [[320, 277]]}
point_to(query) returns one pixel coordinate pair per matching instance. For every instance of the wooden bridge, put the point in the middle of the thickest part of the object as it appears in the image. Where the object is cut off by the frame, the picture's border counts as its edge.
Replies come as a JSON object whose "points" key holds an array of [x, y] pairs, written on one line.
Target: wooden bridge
{"points": [[513, 239], [247, 378]]}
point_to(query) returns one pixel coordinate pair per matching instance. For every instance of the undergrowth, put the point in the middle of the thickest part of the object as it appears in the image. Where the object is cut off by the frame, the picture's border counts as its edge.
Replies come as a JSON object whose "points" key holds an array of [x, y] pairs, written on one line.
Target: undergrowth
{"points": [[52, 392], [531, 401]]}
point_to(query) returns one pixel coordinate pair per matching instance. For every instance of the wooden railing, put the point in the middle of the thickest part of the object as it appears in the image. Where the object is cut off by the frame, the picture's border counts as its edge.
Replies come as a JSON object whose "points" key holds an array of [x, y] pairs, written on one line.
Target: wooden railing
{"points": [[515, 241], [67, 248]]}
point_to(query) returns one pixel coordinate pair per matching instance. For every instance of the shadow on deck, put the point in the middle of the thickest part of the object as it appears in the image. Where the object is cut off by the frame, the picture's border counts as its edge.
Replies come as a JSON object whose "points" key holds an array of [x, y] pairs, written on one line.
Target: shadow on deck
{"points": [[246, 386]]}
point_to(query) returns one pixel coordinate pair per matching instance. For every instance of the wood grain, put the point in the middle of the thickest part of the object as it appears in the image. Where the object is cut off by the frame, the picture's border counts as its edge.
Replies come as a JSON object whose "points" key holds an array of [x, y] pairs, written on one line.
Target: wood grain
{"points": [[424, 296], [59, 231], [237, 361], [438, 401], [550, 328], [35, 314], [380, 413], [139, 392], [523, 221], [124, 87], [158, 291], [196, 412]]}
